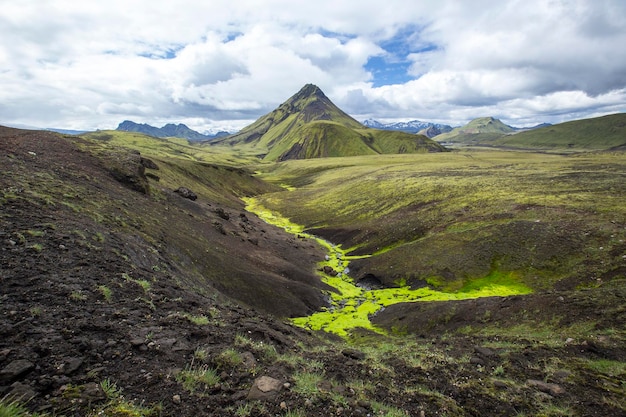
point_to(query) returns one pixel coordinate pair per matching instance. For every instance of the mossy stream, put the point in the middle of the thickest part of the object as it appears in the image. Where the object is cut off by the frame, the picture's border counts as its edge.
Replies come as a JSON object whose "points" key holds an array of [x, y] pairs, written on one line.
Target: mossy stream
{"points": [[351, 305]]}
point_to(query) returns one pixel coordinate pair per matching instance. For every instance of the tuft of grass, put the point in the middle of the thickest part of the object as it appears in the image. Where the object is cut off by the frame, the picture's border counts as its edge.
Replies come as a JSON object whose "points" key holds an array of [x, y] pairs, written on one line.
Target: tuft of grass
{"points": [[15, 409], [37, 247], [106, 293], [118, 406], [144, 284], [306, 383], [35, 233], [384, 410], [195, 378], [201, 354], [244, 410], [199, 320], [607, 367], [228, 359], [267, 350], [77, 296], [296, 412]]}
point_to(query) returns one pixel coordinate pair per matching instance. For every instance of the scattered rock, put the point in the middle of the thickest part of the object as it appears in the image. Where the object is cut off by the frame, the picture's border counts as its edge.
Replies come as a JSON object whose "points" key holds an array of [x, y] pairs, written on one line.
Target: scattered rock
{"points": [[264, 388], [476, 361], [176, 399], [329, 271], [186, 193], [21, 392], [72, 365], [137, 341], [126, 168], [552, 389], [15, 369], [369, 282], [484, 351], [248, 361], [562, 375], [353, 354], [148, 163], [220, 212], [92, 391], [500, 385]]}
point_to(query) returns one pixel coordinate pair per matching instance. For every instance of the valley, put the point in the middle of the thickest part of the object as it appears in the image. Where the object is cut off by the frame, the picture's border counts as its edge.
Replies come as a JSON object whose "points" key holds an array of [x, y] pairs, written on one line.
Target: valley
{"points": [[352, 305], [268, 275]]}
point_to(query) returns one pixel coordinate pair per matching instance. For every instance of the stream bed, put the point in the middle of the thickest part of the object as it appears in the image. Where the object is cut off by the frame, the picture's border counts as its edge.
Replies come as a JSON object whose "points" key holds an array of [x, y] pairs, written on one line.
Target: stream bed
{"points": [[350, 306]]}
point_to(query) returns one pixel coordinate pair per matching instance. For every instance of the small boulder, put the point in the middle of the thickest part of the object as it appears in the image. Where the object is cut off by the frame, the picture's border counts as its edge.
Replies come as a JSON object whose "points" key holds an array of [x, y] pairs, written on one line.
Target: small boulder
{"points": [[148, 163], [484, 351], [21, 392], [353, 354], [329, 271], [221, 213], [72, 365], [548, 388], [186, 193], [264, 388], [16, 369]]}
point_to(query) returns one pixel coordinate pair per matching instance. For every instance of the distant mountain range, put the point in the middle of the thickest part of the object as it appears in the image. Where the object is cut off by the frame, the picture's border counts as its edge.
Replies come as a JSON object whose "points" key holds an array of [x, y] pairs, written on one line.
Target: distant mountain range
{"points": [[309, 125], [414, 126], [169, 130]]}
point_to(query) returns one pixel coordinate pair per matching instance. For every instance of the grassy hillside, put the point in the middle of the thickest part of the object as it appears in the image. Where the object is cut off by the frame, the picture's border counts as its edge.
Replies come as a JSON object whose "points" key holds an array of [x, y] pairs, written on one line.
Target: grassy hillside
{"points": [[446, 219], [598, 133], [169, 147]]}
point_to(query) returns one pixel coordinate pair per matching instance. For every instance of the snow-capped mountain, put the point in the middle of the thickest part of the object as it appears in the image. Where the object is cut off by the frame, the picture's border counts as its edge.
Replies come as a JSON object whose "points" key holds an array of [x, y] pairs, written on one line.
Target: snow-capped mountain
{"points": [[413, 126]]}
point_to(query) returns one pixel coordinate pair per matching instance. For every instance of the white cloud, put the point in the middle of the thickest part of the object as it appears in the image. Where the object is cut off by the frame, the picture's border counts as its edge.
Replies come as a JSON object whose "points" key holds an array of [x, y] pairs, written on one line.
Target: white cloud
{"points": [[91, 64]]}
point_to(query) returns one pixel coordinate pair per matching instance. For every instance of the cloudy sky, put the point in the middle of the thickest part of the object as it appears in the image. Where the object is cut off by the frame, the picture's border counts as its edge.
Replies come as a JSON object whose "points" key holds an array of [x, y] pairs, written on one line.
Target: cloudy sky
{"points": [[222, 64]]}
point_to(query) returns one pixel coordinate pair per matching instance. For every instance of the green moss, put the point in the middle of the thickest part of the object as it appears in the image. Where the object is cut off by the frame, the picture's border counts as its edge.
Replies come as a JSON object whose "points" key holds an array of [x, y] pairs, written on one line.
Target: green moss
{"points": [[351, 306]]}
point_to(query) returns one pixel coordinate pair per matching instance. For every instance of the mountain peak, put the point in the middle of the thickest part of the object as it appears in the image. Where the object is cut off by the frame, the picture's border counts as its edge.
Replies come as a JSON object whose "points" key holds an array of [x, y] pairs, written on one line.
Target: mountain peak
{"points": [[309, 125], [309, 90]]}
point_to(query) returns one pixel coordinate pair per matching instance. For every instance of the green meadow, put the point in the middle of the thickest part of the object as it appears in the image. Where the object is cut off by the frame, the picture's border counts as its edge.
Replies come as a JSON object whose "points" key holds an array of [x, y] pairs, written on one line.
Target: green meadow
{"points": [[427, 226], [455, 225]]}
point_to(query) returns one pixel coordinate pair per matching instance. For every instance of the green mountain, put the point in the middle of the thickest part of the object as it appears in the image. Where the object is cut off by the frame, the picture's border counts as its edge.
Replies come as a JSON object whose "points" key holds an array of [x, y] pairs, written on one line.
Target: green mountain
{"points": [[309, 125], [478, 131], [604, 132]]}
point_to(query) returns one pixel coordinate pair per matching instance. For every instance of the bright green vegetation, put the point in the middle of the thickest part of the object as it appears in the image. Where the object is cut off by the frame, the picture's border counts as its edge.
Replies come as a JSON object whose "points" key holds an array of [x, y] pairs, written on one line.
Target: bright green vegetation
{"points": [[450, 218], [352, 305], [199, 320], [15, 409], [608, 367], [455, 225], [117, 405], [106, 292]]}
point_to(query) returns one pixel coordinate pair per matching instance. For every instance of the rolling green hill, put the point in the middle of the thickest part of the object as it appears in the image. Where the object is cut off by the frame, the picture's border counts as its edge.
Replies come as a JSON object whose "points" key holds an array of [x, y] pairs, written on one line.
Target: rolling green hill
{"points": [[478, 131], [309, 125], [598, 133]]}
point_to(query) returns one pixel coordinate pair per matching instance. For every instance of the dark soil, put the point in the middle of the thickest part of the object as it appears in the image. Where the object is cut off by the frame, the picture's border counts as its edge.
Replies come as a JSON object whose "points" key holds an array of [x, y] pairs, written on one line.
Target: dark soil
{"points": [[107, 275]]}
